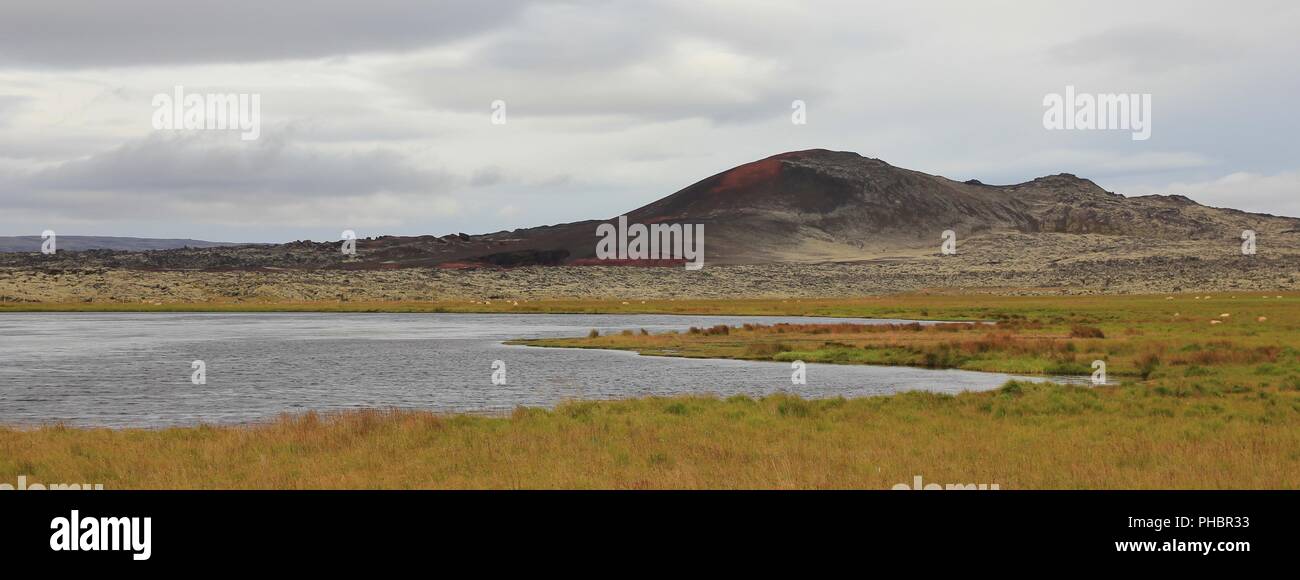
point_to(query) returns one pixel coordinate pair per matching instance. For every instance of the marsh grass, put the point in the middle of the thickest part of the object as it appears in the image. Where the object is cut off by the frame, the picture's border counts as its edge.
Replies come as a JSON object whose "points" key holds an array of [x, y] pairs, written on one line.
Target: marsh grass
{"points": [[1138, 337], [1024, 435]]}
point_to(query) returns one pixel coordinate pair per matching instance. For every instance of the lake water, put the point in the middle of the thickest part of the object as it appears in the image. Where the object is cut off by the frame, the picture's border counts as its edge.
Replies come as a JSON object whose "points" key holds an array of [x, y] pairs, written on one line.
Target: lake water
{"points": [[134, 369]]}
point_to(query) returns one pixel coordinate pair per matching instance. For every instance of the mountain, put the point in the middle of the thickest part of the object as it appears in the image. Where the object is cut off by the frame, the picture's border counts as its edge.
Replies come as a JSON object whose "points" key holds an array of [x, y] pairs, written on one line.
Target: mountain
{"points": [[820, 205], [802, 206], [80, 243], [832, 205]]}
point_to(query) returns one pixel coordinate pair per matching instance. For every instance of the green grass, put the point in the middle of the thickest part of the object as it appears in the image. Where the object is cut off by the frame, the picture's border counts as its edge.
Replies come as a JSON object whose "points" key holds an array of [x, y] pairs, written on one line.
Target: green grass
{"points": [[1022, 436], [1164, 341]]}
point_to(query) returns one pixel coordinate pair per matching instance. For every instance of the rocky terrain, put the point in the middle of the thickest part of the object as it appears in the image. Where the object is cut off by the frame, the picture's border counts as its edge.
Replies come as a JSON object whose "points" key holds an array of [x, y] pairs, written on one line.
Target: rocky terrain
{"points": [[803, 224], [1003, 263]]}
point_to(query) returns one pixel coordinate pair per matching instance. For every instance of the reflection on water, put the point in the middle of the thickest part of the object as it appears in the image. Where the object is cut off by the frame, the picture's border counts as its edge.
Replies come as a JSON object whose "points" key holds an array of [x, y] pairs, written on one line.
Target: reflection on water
{"points": [[133, 369]]}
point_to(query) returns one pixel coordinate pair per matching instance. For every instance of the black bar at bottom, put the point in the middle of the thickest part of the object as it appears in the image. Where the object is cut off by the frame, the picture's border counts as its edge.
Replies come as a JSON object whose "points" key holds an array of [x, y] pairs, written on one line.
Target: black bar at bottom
{"points": [[309, 529]]}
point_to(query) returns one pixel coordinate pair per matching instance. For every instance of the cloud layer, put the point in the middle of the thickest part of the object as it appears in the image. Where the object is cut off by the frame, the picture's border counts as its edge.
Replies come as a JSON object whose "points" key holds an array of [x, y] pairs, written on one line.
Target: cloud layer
{"points": [[378, 116]]}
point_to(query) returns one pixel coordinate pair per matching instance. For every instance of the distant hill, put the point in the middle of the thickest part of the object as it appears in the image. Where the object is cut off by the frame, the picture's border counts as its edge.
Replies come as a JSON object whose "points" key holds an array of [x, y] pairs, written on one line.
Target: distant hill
{"points": [[802, 206], [830, 206], [79, 243]]}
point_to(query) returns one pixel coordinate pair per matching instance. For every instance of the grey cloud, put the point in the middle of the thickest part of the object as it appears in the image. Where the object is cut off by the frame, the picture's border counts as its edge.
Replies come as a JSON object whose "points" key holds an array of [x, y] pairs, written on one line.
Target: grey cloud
{"points": [[610, 105], [9, 104], [487, 176], [198, 165], [730, 87], [206, 180], [662, 62], [92, 33], [1145, 49], [571, 37]]}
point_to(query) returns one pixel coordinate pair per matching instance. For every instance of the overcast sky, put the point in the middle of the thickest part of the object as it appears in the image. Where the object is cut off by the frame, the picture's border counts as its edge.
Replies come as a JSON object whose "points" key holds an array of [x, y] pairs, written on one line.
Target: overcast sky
{"points": [[376, 116]]}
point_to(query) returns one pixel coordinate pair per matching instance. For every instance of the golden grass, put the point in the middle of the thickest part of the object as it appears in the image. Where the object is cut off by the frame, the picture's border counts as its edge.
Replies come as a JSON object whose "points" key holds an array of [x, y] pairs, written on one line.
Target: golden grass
{"points": [[1203, 406], [1023, 436], [1137, 336]]}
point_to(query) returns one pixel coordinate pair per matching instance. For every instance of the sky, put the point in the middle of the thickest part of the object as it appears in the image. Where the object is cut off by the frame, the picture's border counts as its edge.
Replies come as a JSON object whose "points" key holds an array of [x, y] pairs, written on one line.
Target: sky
{"points": [[382, 117]]}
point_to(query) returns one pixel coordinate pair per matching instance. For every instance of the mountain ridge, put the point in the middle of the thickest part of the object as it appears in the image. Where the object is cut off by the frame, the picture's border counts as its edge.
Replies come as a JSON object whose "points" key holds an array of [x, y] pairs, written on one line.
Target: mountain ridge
{"points": [[814, 205]]}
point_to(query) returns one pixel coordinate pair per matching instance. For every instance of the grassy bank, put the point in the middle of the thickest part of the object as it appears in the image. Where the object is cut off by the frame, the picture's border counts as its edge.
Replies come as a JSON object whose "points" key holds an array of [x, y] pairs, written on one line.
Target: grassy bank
{"points": [[1023, 436], [1172, 342]]}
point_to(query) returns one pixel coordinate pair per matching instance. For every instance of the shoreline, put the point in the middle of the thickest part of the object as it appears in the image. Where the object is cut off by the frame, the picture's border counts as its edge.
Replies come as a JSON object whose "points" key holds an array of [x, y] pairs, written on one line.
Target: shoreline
{"points": [[861, 306]]}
